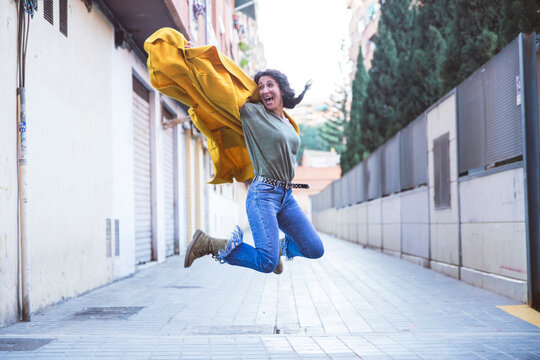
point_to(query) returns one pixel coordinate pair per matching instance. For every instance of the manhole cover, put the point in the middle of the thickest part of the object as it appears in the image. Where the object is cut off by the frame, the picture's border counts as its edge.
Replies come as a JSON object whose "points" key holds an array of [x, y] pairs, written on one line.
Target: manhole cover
{"points": [[106, 313], [22, 344], [182, 287], [231, 330]]}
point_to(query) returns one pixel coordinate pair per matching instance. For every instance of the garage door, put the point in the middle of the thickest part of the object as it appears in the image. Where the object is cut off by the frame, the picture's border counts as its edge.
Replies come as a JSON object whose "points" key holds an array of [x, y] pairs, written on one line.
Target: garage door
{"points": [[169, 184], [142, 173]]}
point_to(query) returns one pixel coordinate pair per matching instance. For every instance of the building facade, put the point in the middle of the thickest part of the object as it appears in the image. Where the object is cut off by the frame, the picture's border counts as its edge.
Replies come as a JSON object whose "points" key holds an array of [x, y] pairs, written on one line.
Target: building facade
{"points": [[115, 175], [363, 26]]}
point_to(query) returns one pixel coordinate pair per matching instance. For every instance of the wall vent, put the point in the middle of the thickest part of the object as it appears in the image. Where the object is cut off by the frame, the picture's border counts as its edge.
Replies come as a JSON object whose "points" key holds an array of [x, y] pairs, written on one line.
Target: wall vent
{"points": [[64, 17], [48, 10], [116, 237], [108, 236]]}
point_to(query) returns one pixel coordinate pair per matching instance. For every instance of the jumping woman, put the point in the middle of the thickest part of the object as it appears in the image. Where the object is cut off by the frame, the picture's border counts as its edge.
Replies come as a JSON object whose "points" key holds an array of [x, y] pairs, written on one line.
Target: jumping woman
{"points": [[231, 108], [272, 143]]}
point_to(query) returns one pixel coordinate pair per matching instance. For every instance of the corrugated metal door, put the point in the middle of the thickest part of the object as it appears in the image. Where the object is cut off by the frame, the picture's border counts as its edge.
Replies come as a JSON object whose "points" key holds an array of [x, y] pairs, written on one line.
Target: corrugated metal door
{"points": [[183, 188], [169, 185], [142, 173]]}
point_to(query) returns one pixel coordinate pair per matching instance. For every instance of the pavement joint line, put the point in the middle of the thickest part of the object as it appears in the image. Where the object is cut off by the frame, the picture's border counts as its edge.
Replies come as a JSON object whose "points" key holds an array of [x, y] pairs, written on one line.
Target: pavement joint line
{"points": [[523, 312], [292, 335]]}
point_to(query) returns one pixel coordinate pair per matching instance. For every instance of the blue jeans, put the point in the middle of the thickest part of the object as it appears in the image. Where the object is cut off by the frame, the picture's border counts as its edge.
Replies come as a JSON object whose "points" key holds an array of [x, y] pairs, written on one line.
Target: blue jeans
{"points": [[270, 208]]}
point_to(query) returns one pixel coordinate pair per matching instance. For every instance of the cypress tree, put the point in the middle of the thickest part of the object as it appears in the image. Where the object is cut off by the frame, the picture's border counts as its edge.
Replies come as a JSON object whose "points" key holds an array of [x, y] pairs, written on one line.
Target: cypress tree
{"points": [[472, 41], [354, 150], [427, 57], [332, 131], [398, 17], [380, 110], [518, 16], [398, 20]]}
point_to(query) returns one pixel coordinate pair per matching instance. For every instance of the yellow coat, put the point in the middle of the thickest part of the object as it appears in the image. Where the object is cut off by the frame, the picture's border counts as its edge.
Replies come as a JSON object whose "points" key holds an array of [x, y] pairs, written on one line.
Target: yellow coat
{"points": [[215, 88]]}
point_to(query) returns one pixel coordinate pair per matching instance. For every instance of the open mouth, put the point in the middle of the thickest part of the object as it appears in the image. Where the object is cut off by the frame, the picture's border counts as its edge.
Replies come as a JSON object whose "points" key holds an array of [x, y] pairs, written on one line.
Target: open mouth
{"points": [[269, 101]]}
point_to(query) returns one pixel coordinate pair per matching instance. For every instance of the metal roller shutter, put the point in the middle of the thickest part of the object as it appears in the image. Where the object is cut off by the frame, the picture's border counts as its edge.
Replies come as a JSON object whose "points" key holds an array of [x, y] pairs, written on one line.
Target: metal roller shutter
{"points": [[183, 189], [142, 173], [169, 181]]}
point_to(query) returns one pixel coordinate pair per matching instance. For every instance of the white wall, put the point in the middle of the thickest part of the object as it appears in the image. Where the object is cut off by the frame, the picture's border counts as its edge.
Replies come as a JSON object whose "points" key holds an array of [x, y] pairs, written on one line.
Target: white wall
{"points": [[374, 214], [391, 223], [122, 152], [226, 210], [493, 224], [444, 223], [415, 222], [8, 163], [362, 225], [70, 164], [493, 236]]}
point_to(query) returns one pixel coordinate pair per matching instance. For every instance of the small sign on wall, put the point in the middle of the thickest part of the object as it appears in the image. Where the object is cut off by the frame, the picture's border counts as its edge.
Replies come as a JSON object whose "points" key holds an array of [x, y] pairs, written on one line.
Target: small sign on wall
{"points": [[518, 90]]}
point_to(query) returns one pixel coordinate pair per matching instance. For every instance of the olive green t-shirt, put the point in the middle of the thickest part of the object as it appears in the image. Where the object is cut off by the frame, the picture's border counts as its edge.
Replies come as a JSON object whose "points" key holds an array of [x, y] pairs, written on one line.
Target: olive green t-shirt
{"points": [[272, 142]]}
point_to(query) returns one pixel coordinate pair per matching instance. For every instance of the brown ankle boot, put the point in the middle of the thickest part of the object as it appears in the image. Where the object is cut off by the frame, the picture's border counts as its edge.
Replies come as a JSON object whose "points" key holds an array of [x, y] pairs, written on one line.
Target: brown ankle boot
{"points": [[202, 245]]}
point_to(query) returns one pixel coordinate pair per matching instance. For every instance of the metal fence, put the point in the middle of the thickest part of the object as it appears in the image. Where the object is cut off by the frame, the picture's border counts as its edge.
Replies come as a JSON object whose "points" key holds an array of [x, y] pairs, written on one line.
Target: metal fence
{"points": [[489, 134], [391, 166], [400, 164], [489, 113]]}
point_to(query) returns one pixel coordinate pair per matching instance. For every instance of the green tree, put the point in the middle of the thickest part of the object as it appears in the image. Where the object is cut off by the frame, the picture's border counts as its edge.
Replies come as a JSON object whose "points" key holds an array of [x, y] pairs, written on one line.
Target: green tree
{"points": [[311, 139], [518, 16], [332, 131], [427, 55], [472, 40], [398, 18], [380, 116], [354, 150]]}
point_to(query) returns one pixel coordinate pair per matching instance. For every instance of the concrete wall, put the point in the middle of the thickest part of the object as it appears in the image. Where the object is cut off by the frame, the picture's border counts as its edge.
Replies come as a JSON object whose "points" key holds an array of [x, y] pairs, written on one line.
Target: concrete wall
{"points": [[70, 139], [444, 223], [480, 238], [374, 219], [415, 224], [493, 237], [391, 224], [362, 221], [8, 163]]}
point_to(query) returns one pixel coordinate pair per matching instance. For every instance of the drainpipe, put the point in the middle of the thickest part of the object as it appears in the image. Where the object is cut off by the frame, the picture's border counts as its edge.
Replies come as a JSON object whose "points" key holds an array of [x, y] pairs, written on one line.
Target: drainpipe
{"points": [[25, 10], [24, 264]]}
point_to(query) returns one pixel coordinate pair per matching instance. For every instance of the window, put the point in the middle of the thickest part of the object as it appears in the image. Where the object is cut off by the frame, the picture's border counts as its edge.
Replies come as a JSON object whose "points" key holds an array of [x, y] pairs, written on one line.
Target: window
{"points": [[441, 168]]}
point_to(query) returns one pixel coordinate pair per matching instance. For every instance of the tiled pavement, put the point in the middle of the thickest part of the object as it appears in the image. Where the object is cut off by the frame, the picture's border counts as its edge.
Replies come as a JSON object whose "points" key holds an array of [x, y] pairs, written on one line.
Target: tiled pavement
{"points": [[352, 303]]}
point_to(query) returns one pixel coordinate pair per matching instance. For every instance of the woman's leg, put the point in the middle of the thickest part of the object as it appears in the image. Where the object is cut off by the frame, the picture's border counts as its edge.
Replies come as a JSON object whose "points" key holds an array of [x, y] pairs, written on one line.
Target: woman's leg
{"points": [[301, 238], [262, 204]]}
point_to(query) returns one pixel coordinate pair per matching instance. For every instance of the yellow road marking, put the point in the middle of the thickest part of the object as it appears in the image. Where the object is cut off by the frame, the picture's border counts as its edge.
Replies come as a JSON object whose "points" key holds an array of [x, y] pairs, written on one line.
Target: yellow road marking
{"points": [[523, 312]]}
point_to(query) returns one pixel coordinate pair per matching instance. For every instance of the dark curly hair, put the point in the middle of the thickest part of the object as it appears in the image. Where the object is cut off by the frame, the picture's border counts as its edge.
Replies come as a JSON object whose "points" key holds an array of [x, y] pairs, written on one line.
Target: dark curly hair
{"points": [[289, 101]]}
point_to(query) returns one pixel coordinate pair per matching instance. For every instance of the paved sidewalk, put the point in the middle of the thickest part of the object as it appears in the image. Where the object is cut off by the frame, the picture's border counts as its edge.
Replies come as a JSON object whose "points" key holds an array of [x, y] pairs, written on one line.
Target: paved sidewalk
{"points": [[352, 303]]}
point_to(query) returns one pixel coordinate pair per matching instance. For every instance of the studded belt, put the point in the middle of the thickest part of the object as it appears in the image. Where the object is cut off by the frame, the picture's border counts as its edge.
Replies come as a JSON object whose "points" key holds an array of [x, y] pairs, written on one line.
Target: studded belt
{"points": [[284, 184]]}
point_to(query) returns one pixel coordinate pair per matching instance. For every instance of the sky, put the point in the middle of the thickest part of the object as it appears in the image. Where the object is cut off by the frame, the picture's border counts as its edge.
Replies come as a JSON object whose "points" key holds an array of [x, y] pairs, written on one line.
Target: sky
{"points": [[302, 38]]}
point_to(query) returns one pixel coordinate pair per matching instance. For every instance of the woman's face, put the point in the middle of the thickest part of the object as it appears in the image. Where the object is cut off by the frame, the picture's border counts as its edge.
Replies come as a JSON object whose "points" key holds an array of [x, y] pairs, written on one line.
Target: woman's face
{"points": [[270, 94]]}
